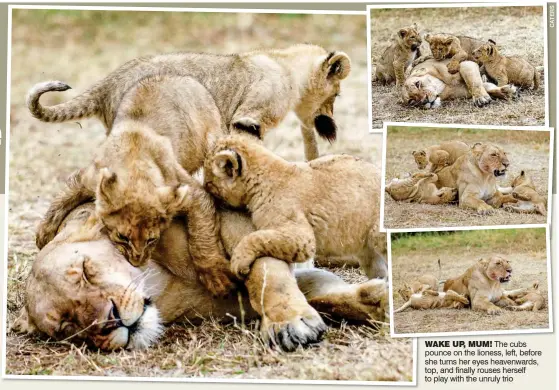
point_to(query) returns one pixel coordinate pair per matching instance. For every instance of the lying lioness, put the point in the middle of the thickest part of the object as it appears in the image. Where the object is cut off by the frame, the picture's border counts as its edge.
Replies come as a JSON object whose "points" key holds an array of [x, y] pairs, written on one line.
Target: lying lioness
{"points": [[481, 284], [431, 299], [327, 207], [81, 288]]}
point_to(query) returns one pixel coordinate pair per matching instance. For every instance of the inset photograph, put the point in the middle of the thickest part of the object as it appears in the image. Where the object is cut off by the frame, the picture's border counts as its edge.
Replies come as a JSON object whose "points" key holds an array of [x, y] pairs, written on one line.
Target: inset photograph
{"points": [[470, 281], [465, 176], [458, 65]]}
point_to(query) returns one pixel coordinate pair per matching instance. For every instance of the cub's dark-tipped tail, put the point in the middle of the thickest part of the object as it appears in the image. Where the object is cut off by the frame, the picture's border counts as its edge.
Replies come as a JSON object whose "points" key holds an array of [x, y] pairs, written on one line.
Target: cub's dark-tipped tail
{"points": [[82, 106]]}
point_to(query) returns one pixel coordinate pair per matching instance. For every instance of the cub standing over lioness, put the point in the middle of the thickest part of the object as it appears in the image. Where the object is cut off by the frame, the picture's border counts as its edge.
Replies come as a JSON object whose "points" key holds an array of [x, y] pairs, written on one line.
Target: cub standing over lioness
{"points": [[507, 69], [328, 206], [439, 156], [458, 48]]}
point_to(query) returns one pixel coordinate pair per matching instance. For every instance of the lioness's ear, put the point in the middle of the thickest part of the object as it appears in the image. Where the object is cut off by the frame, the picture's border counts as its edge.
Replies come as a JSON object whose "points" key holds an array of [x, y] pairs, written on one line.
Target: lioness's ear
{"points": [[402, 33], [23, 324], [227, 163], [338, 65], [107, 185], [174, 197]]}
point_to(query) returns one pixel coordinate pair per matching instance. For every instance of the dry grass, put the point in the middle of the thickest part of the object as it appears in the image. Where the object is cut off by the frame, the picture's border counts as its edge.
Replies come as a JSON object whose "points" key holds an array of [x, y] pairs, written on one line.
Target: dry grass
{"points": [[413, 256], [81, 48], [482, 23], [527, 150]]}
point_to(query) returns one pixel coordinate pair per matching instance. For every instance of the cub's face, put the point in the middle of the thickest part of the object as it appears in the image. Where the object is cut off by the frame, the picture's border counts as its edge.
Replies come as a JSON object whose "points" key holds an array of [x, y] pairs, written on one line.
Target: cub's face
{"points": [[420, 157], [491, 159], [520, 179], [441, 45], [409, 37], [136, 214], [485, 52], [497, 268]]}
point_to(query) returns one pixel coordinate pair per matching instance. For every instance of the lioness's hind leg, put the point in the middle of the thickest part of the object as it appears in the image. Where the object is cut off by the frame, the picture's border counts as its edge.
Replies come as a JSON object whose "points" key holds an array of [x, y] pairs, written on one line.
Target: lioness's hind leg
{"points": [[329, 294], [470, 74], [505, 92], [287, 318]]}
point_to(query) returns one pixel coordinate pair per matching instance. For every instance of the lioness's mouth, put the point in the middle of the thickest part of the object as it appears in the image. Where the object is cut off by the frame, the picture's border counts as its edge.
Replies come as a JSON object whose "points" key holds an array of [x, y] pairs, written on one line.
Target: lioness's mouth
{"points": [[505, 279], [500, 172], [414, 47]]}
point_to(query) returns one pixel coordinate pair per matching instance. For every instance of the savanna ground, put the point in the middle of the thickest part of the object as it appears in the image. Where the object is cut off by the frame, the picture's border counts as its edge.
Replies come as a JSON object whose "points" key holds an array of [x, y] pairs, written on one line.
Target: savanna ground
{"points": [[526, 150], [417, 254], [82, 47], [478, 22]]}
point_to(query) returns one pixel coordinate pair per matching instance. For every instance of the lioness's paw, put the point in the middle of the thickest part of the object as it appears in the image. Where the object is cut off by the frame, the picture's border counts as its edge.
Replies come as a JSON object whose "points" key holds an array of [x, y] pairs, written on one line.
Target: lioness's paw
{"points": [[510, 91], [481, 100], [494, 310], [302, 330], [374, 295], [485, 209]]}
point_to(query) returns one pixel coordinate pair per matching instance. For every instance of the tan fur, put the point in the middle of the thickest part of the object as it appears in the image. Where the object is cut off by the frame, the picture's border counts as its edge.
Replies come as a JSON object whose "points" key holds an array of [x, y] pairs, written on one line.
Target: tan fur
{"points": [[430, 83], [432, 299], [531, 299], [507, 69], [140, 178], [473, 175], [327, 207], [436, 157], [528, 199], [252, 91], [78, 277], [424, 282], [402, 51], [457, 48], [481, 284], [420, 188]]}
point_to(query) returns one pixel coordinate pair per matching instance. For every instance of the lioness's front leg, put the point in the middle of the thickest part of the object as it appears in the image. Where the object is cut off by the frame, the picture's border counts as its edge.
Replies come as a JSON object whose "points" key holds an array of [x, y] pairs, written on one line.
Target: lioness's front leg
{"points": [[293, 243], [504, 301], [469, 198], [482, 303], [287, 318]]}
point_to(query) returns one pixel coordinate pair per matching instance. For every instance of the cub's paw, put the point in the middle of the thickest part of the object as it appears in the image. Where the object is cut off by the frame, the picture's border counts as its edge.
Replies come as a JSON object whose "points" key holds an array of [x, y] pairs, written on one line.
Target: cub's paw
{"points": [[453, 67], [219, 282], [304, 329], [240, 265]]}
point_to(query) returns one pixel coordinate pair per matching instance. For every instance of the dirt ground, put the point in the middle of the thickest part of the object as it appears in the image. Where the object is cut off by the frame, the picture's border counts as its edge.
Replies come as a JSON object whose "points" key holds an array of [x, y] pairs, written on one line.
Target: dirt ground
{"points": [[478, 22], [524, 248], [526, 150], [80, 48]]}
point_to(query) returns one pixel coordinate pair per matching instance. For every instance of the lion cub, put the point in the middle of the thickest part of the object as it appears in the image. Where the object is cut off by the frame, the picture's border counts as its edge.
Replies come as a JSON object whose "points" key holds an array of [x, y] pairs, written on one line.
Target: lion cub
{"points": [[440, 156], [529, 300], [430, 299], [326, 207], [506, 69], [423, 283], [398, 56], [529, 201], [457, 48], [420, 188]]}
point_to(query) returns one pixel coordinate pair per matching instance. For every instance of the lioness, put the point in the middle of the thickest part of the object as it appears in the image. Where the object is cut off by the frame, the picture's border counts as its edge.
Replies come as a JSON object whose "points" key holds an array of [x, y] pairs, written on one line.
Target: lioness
{"points": [[82, 289], [528, 199], [506, 69], [458, 48], [439, 156], [432, 299], [420, 188], [252, 91], [326, 207], [473, 175], [398, 56], [430, 83], [481, 284], [532, 299]]}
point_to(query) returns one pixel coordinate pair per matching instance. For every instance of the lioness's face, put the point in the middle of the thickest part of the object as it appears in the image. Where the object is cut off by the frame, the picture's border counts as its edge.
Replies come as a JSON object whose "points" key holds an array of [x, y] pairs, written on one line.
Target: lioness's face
{"points": [[87, 291], [498, 269], [440, 45], [421, 90], [409, 37], [420, 158], [491, 159]]}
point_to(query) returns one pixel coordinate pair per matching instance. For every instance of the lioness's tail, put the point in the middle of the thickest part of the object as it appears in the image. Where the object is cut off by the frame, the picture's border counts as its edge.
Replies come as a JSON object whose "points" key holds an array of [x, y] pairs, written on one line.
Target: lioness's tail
{"points": [[82, 106]]}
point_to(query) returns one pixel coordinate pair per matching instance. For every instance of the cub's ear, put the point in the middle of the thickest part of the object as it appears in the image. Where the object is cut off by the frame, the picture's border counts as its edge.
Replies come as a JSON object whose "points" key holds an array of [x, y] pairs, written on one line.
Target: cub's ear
{"points": [[227, 164], [174, 198], [492, 41], [403, 32], [448, 40], [23, 324], [427, 37], [107, 185], [536, 285], [338, 65], [414, 26], [522, 173]]}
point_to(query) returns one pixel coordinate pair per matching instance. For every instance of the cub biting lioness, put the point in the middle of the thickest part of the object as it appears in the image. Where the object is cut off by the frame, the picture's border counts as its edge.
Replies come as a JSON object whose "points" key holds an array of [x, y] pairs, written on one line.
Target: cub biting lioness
{"points": [[327, 207]]}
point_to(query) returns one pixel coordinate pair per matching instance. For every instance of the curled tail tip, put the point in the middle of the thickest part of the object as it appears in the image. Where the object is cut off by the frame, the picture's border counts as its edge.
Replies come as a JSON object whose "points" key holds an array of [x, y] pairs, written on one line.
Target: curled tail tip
{"points": [[326, 127]]}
